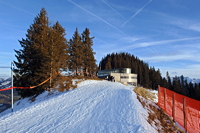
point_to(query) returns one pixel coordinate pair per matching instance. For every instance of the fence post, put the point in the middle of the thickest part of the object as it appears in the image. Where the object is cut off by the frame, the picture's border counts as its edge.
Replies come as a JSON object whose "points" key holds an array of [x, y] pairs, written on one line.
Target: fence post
{"points": [[199, 117], [173, 105], [158, 95], [185, 113]]}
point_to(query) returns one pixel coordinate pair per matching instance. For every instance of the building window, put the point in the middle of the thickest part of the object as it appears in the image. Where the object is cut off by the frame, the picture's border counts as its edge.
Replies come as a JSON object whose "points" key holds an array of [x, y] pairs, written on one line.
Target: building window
{"points": [[133, 77], [124, 77]]}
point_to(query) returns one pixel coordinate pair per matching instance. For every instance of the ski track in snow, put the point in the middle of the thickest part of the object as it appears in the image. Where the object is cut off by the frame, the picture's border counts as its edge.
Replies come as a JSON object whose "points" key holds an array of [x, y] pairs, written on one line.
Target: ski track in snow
{"points": [[95, 107]]}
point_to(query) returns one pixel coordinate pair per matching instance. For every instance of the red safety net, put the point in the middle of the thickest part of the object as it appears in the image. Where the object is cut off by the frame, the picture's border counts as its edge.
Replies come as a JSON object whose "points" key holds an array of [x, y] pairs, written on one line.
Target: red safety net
{"points": [[169, 102], [184, 110]]}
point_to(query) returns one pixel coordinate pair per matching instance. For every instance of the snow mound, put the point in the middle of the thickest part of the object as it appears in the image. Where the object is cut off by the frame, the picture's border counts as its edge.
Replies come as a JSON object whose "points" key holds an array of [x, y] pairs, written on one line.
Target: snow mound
{"points": [[155, 92], [95, 106]]}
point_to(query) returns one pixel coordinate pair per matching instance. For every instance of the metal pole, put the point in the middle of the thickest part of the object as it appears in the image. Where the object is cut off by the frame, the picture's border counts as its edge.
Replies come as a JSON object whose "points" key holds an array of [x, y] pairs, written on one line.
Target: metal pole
{"points": [[12, 88], [12, 67]]}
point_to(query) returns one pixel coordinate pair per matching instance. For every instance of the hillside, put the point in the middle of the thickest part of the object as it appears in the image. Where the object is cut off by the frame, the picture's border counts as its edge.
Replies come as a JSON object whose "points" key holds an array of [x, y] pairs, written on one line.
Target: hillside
{"points": [[95, 106]]}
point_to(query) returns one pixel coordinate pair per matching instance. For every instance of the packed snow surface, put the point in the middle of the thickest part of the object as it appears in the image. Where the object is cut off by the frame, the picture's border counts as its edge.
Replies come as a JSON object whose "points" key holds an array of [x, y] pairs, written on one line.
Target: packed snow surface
{"points": [[95, 106]]}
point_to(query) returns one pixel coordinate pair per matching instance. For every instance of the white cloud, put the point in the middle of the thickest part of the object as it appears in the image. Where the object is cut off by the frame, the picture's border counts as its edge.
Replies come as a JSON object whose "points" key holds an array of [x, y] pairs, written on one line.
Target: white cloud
{"points": [[194, 66], [187, 72], [146, 45], [186, 24], [130, 39], [195, 27], [173, 56]]}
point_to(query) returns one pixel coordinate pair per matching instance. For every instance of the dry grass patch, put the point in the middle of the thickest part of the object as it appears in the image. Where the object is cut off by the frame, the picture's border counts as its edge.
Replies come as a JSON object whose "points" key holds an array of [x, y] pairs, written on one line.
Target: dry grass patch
{"points": [[144, 93], [65, 83]]}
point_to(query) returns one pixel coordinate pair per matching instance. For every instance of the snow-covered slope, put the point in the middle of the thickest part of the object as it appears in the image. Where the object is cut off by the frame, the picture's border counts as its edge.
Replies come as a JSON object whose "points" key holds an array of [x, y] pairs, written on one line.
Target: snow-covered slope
{"points": [[95, 106]]}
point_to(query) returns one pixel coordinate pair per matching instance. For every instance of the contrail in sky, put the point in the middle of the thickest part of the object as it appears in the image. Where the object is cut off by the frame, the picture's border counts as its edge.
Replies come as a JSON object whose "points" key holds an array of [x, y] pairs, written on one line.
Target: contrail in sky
{"points": [[153, 51], [115, 11], [104, 20], [17, 8], [97, 17], [137, 12]]}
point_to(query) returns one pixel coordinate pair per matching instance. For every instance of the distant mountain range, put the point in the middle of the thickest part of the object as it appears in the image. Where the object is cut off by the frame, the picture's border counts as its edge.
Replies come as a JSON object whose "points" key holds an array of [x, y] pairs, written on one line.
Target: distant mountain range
{"points": [[193, 80], [5, 83]]}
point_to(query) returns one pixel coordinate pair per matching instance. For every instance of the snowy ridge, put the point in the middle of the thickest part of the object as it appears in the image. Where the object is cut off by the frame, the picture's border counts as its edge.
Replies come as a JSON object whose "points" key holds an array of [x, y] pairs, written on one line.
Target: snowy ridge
{"points": [[193, 80], [95, 106], [188, 79]]}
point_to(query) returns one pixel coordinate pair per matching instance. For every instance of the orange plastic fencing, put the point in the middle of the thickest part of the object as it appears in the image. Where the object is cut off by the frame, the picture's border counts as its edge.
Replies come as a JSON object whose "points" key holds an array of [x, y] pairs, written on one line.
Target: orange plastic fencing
{"points": [[31, 87], [184, 110]]}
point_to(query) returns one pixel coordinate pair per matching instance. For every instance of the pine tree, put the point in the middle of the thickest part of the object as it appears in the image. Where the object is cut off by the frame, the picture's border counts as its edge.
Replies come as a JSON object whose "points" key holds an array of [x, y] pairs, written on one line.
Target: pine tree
{"points": [[169, 81], [197, 91], [182, 86], [108, 63], [164, 83], [76, 52], [88, 54], [186, 86], [191, 90], [139, 77], [31, 58], [58, 50], [145, 75], [158, 79], [176, 85], [151, 77]]}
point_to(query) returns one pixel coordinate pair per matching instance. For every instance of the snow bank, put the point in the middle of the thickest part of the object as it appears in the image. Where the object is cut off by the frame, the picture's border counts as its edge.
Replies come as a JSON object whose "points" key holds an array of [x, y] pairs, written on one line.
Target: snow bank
{"points": [[155, 92], [95, 106]]}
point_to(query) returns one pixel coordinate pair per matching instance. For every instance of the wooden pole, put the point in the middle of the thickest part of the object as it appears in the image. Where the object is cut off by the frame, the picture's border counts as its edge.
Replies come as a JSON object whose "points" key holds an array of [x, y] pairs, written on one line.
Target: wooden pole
{"points": [[173, 105], [165, 99], [185, 113], [158, 95]]}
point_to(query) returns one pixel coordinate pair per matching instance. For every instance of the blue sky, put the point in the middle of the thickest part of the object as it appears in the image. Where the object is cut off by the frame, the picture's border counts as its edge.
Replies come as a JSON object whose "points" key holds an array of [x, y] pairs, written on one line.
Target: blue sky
{"points": [[164, 33]]}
